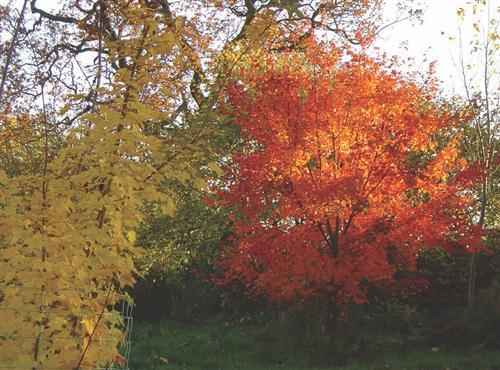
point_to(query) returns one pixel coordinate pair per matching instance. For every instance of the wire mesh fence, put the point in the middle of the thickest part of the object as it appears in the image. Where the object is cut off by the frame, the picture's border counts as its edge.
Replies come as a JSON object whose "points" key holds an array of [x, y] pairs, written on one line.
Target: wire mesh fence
{"points": [[26, 312]]}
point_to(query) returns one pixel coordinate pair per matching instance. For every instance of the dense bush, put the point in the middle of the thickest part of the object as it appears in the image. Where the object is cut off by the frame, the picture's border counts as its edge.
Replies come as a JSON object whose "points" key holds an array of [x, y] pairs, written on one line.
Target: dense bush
{"points": [[176, 251]]}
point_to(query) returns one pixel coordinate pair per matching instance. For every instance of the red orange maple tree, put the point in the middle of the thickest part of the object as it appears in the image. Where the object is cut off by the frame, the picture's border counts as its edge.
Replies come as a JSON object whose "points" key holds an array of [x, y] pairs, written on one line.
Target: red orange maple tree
{"points": [[348, 172]]}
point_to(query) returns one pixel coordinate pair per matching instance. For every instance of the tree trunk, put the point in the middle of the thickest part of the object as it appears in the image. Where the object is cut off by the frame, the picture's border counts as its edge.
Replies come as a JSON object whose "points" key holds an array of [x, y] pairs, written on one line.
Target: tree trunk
{"points": [[471, 288]]}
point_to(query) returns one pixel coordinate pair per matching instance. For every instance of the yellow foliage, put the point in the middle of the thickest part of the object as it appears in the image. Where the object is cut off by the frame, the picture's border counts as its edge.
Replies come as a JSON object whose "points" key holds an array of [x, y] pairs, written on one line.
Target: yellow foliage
{"points": [[68, 231]]}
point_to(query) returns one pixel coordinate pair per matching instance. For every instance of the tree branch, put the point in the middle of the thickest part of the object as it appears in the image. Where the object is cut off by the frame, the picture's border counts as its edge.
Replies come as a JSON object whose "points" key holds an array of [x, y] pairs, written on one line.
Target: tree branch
{"points": [[11, 49], [52, 17]]}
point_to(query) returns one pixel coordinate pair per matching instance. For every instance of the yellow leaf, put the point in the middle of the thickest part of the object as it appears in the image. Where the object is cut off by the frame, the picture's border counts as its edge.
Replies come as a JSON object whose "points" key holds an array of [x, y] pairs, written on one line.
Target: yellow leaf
{"points": [[3, 177], [200, 183], [216, 168], [89, 325], [64, 109], [161, 359], [168, 208], [132, 236]]}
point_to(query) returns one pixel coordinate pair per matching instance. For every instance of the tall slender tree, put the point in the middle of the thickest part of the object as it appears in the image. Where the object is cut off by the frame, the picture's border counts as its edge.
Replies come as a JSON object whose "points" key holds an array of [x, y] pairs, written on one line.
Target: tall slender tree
{"points": [[478, 59]]}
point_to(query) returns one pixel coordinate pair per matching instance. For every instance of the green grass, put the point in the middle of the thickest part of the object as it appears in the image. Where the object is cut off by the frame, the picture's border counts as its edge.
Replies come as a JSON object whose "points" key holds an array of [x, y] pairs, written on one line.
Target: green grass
{"points": [[427, 360], [217, 344]]}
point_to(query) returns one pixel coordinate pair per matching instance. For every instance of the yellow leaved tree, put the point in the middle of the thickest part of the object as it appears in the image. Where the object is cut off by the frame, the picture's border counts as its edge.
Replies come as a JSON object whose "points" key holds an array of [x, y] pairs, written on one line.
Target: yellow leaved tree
{"points": [[67, 231]]}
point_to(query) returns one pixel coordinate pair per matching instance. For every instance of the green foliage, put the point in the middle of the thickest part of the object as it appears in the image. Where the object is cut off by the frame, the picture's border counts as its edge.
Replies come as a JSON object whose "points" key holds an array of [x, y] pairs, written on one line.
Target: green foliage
{"points": [[447, 280], [447, 274], [174, 248], [176, 244]]}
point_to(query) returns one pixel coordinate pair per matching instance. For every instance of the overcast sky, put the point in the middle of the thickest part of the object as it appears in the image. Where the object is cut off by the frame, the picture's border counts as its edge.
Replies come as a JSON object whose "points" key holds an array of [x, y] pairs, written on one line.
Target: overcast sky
{"points": [[430, 40]]}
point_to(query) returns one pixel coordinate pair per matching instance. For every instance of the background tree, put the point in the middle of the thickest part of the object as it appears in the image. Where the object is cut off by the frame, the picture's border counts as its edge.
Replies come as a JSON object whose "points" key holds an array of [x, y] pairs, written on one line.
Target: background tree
{"points": [[180, 252], [478, 61]]}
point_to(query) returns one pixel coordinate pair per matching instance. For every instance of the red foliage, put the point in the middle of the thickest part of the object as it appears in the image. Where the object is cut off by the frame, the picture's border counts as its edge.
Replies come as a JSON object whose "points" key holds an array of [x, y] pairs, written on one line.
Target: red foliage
{"points": [[341, 182]]}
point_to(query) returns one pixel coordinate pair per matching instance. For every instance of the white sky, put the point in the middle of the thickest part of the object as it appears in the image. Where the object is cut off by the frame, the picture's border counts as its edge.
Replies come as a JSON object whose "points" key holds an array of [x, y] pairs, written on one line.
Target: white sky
{"points": [[426, 41]]}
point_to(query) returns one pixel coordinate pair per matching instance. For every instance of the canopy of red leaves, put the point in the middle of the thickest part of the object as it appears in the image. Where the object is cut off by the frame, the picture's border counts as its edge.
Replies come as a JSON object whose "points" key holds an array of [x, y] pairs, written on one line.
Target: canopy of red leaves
{"points": [[348, 172]]}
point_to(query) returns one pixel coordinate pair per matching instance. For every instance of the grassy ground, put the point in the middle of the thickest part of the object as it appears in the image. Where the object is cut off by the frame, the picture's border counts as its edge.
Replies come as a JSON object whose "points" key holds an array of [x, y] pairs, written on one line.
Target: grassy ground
{"points": [[217, 344]]}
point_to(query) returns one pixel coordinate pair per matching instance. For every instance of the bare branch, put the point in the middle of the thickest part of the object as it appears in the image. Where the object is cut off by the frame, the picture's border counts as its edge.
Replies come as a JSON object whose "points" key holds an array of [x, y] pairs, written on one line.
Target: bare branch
{"points": [[11, 49]]}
